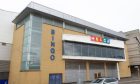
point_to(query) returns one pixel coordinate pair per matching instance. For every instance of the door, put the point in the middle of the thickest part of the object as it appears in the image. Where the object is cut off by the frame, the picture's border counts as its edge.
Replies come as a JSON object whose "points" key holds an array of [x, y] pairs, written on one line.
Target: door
{"points": [[3, 81], [55, 78]]}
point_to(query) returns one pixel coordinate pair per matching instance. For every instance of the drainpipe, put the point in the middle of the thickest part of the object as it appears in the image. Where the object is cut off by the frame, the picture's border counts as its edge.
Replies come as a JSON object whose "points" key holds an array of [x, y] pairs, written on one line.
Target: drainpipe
{"points": [[118, 71], [139, 51]]}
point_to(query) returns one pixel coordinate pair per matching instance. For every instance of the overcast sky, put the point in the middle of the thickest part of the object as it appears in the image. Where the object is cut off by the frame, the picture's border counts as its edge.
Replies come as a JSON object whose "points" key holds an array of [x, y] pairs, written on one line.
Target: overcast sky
{"points": [[118, 15]]}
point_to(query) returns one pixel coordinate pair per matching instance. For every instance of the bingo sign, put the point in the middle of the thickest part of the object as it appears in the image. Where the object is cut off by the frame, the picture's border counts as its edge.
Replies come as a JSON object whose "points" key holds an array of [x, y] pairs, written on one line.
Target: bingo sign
{"points": [[52, 44], [100, 39]]}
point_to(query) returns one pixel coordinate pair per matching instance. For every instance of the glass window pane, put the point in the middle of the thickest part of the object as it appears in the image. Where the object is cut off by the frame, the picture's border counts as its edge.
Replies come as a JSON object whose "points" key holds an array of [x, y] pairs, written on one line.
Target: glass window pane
{"points": [[91, 32], [84, 50], [104, 52], [68, 48], [32, 43], [91, 50], [75, 28], [77, 49], [98, 51]]}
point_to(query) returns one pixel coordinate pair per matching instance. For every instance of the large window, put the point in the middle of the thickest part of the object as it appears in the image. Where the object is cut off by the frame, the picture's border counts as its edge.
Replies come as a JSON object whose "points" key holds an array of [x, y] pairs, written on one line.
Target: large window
{"points": [[90, 50], [91, 32], [74, 28], [31, 43], [52, 21]]}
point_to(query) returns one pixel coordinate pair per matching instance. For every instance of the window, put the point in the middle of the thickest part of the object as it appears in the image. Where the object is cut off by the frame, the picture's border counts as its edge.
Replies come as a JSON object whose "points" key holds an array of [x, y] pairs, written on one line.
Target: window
{"points": [[75, 28], [32, 43], [68, 49], [110, 80], [91, 32], [4, 44], [83, 49], [51, 21], [104, 52], [92, 50], [98, 81], [77, 49], [98, 51]]}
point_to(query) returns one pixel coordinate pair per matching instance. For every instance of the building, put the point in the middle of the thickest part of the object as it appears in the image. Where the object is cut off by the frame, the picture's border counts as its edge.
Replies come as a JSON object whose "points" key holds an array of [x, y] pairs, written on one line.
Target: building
{"points": [[133, 44], [52, 47], [6, 37]]}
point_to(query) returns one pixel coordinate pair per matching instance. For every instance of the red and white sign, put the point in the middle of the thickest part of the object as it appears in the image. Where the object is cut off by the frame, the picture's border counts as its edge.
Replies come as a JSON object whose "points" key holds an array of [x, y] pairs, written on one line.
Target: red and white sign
{"points": [[94, 40], [99, 39]]}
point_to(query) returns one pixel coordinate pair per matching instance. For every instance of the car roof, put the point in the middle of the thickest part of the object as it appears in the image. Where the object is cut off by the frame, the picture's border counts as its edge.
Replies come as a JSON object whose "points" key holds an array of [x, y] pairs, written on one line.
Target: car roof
{"points": [[106, 78]]}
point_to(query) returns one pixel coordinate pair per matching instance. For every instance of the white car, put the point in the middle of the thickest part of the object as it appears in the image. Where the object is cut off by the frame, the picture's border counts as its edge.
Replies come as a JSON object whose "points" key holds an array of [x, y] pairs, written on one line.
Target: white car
{"points": [[105, 81]]}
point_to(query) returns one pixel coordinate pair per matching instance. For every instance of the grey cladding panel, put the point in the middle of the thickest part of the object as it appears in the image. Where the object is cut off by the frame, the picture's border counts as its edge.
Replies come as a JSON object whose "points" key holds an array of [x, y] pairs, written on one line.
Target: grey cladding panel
{"points": [[96, 68], [74, 71]]}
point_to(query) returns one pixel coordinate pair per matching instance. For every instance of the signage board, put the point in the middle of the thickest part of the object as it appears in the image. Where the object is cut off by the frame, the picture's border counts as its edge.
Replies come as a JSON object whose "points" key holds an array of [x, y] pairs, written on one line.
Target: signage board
{"points": [[52, 49], [100, 39]]}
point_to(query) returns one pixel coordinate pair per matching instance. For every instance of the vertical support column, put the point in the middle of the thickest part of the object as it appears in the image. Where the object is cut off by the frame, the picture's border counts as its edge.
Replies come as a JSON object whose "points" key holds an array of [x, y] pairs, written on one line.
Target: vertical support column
{"points": [[63, 27], [85, 31], [138, 71], [118, 71], [105, 69], [87, 71]]}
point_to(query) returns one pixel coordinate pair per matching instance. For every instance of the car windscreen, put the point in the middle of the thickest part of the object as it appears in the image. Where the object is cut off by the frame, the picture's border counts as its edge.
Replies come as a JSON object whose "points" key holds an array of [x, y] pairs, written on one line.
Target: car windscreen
{"points": [[98, 81], [110, 80]]}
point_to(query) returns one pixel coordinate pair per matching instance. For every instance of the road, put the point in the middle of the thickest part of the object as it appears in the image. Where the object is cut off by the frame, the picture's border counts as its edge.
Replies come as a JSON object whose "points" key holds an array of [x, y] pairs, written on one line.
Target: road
{"points": [[130, 82]]}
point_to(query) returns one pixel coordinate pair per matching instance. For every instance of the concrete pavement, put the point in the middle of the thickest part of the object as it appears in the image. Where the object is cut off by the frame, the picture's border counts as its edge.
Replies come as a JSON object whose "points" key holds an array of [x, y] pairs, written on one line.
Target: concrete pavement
{"points": [[130, 81]]}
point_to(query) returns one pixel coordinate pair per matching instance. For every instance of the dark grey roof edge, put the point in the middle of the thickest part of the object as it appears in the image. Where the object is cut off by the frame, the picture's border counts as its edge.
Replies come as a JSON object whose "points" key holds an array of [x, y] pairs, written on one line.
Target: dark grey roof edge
{"points": [[64, 16]]}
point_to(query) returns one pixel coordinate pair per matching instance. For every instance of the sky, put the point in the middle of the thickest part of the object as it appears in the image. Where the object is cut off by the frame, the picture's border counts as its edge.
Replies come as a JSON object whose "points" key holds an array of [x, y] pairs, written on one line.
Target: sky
{"points": [[118, 15]]}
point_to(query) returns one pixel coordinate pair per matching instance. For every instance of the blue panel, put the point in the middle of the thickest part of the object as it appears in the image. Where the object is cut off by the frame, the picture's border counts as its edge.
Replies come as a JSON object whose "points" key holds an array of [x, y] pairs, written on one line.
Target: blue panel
{"points": [[55, 79], [3, 81]]}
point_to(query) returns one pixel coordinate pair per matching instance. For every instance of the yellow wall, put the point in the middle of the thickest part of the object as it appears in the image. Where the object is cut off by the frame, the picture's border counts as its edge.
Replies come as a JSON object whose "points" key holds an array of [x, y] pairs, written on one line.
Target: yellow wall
{"points": [[124, 66], [47, 66], [17, 77]]}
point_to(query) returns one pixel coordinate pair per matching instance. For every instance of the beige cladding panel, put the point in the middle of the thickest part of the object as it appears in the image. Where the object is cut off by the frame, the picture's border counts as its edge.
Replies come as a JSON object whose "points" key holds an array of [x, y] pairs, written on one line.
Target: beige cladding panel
{"points": [[135, 59], [124, 67], [131, 41], [47, 65], [133, 49], [134, 63], [132, 46], [14, 77], [133, 53]]}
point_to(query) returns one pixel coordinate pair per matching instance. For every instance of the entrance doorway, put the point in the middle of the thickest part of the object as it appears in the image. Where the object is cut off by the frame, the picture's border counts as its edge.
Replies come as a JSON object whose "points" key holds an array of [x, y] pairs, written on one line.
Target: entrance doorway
{"points": [[135, 71]]}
